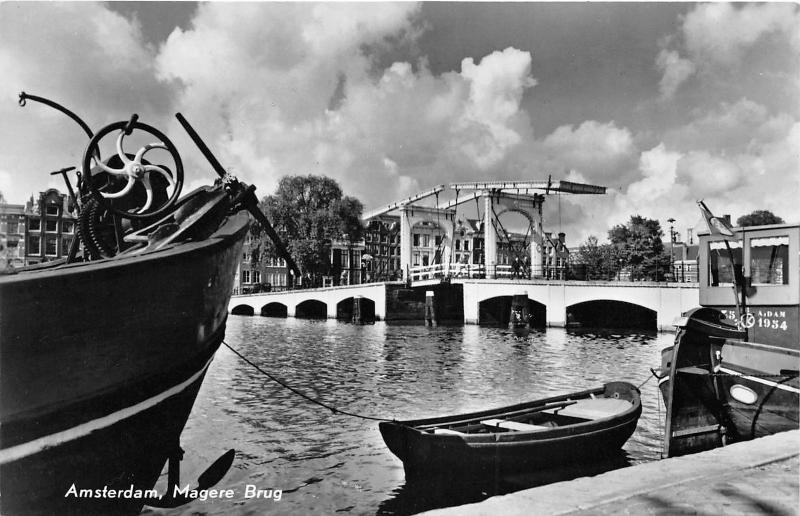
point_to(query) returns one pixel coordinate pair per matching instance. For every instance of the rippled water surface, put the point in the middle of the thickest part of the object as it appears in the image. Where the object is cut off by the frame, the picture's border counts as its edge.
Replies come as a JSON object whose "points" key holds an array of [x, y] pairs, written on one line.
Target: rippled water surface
{"points": [[326, 463]]}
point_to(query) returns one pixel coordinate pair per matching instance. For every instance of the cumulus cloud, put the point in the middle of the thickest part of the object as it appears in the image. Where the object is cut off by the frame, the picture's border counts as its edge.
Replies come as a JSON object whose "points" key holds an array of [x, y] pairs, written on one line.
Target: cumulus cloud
{"points": [[675, 71], [721, 32], [83, 56], [602, 151], [313, 101], [716, 37]]}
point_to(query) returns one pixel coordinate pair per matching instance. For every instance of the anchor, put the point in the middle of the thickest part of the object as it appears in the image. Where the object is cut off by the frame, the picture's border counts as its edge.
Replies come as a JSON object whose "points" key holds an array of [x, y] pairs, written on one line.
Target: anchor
{"points": [[208, 479]]}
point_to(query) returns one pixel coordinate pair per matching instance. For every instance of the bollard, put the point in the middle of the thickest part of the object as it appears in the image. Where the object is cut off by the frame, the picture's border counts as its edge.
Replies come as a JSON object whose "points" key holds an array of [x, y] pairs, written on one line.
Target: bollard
{"points": [[430, 309], [358, 310], [519, 318]]}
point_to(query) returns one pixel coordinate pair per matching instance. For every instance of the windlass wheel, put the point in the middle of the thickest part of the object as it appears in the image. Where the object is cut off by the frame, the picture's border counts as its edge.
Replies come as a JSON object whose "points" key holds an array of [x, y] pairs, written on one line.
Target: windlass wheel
{"points": [[133, 189]]}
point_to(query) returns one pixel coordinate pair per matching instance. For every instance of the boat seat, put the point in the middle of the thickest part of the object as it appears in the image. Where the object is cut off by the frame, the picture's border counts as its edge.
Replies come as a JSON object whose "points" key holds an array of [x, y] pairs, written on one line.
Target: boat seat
{"points": [[512, 425], [446, 431], [597, 408]]}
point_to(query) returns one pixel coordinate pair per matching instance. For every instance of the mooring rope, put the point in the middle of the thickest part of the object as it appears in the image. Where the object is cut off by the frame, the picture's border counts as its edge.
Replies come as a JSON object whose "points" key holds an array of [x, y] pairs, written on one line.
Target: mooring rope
{"points": [[302, 395]]}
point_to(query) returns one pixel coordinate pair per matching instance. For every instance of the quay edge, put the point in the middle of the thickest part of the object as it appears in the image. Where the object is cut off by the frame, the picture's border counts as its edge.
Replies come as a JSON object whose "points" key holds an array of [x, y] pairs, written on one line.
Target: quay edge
{"points": [[758, 476]]}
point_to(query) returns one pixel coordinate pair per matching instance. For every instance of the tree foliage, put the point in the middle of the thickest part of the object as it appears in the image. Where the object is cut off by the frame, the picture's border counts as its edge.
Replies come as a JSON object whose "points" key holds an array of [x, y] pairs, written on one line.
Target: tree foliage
{"points": [[639, 243], [601, 261], [758, 218], [635, 250], [307, 212]]}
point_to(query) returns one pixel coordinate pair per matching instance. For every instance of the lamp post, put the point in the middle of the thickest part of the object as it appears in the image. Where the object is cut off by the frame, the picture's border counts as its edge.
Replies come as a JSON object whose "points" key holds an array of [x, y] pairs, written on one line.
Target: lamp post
{"points": [[671, 243]]}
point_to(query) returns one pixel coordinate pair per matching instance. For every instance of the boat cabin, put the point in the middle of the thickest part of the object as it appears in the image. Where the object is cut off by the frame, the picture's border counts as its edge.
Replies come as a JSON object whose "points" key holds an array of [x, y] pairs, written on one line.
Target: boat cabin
{"points": [[764, 262]]}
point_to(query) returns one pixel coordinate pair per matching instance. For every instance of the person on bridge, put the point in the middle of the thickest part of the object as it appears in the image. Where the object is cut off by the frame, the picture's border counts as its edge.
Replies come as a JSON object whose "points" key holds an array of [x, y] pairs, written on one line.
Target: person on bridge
{"points": [[515, 267]]}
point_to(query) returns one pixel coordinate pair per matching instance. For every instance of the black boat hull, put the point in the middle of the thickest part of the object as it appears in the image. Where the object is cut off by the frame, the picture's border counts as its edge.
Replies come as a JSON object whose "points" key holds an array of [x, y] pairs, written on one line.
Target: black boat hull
{"points": [[721, 389], [96, 395]]}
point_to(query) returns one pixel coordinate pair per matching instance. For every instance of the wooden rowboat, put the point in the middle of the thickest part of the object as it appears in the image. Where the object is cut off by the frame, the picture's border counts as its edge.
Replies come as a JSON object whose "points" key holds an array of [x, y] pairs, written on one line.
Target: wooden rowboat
{"points": [[543, 433]]}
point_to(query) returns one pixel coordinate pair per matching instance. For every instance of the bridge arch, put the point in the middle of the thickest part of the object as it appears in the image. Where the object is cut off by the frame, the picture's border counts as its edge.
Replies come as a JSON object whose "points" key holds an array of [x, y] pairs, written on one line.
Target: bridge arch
{"points": [[311, 309], [243, 309], [344, 309], [611, 313], [495, 311], [274, 309]]}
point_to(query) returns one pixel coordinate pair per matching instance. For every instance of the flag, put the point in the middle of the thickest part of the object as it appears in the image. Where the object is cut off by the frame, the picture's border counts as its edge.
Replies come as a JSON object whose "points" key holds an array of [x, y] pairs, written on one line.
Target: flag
{"points": [[716, 225]]}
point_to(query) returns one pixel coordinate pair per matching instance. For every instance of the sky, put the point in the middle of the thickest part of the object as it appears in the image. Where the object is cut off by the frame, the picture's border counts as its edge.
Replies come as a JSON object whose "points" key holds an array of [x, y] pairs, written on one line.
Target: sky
{"points": [[663, 103]]}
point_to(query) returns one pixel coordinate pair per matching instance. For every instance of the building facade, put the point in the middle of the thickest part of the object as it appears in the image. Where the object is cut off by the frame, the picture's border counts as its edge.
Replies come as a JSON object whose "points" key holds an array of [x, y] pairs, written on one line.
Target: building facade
{"points": [[41, 230], [382, 249], [255, 274], [12, 236]]}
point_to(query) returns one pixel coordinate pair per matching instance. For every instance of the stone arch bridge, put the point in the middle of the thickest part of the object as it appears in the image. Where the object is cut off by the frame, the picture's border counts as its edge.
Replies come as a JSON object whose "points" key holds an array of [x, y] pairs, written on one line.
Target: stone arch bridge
{"points": [[477, 301]]}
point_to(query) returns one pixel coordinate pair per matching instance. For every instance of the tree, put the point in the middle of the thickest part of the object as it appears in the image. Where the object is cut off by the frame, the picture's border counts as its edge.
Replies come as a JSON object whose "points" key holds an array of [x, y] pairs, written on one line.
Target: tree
{"points": [[307, 212], [601, 261], [640, 247], [758, 218]]}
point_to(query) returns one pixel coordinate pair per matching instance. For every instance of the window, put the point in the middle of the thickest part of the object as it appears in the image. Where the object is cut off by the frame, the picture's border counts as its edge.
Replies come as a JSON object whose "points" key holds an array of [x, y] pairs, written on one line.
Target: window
{"points": [[458, 245], [34, 245], [438, 240], [50, 248], [426, 240], [415, 261], [34, 224], [466, 245], [51, 225], [345, 259], [256, 276], [66, 242], [246, 276], [769, 260], [13, 227], [67, 226], [719, 262], [416, 239], [51, 209]]}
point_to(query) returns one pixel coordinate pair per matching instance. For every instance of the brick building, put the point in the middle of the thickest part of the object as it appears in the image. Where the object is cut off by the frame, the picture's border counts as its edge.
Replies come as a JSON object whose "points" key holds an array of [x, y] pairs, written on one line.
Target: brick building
{"points": [[41, 230]]}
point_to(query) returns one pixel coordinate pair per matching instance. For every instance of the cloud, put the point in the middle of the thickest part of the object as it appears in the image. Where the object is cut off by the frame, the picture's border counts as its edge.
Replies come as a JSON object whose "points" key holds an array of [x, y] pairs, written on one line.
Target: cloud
{"points": [[83, 56], [675, 71], [722, 32], [301, 94], [602, 151], [717, 37]]}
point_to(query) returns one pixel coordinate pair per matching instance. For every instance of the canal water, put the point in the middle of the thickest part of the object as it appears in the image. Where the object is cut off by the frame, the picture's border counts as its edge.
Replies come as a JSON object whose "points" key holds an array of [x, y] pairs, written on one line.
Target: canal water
{"points": [[325, 463]]}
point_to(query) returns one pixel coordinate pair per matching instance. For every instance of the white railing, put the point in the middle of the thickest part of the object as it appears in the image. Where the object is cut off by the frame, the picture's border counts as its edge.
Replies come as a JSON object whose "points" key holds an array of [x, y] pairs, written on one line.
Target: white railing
{"points": [[424, 272]]}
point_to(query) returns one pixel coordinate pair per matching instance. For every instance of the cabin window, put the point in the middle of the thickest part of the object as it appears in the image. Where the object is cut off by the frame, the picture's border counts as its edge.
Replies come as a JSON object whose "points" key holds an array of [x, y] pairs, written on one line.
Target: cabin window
{"points": [[719, 262], [769, 260]]}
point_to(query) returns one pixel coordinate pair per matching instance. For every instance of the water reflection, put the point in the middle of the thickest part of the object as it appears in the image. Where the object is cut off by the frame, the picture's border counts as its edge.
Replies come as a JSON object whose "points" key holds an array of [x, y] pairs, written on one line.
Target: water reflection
{"points": [[326, 462], [420, 494]]}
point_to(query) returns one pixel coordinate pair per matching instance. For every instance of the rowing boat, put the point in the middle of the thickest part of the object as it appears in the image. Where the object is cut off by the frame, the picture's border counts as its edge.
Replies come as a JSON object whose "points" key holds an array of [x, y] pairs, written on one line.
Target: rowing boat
{"points": [[537, 434]]}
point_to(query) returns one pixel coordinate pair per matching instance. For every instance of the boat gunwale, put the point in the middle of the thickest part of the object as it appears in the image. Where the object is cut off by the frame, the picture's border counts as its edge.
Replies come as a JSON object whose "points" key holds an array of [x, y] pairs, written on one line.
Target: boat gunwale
{"points": [[220, 238]]}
